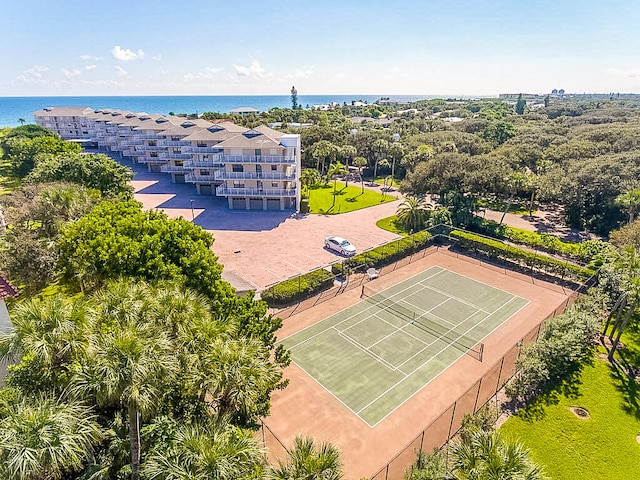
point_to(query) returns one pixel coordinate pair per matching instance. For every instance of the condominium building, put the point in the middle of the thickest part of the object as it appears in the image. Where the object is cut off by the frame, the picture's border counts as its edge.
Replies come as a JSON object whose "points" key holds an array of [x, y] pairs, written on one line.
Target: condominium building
{"points": [[254, 169]]}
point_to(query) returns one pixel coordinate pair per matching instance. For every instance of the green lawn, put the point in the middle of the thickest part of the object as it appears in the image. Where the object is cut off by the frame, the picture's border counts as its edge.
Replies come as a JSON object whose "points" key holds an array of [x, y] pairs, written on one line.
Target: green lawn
{"points": [[347, 198], [391, 224], [569, 447]]}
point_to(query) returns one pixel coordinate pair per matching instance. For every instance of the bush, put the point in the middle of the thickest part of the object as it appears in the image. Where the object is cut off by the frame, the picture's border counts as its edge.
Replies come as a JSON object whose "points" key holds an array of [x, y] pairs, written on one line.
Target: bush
{"points": [[298, 288], [390, 252], [497, 249]]}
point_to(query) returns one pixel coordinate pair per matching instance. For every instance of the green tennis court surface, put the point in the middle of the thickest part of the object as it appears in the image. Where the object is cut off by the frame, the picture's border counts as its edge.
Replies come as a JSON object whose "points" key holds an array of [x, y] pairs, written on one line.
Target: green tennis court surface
{"points": [[377, 353]]}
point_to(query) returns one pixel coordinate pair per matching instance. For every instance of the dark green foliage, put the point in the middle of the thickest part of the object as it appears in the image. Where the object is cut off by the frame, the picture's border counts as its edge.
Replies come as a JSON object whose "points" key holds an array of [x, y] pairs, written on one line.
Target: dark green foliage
{"points": [[520, 104], [94, 171], [390, 252], [524, 258], [566, 342], [298, 288], [118, 239], [24, 153]]}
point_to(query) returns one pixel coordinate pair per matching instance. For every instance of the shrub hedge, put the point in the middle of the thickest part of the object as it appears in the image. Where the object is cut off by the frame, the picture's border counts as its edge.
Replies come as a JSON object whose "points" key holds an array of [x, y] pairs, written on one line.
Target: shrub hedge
{"points": [[298, 288], [386, 254], [497, 249], [586, 251]]}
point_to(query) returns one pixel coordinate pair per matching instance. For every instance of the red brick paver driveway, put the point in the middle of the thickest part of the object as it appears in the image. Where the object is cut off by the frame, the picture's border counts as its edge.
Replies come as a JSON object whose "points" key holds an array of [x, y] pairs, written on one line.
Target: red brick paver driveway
{"points": [[259, 247]]}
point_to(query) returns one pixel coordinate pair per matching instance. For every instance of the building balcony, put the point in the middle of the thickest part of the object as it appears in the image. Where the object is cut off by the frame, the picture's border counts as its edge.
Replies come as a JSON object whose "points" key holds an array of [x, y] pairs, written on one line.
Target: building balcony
{"points": [[129, 153], [266, 159], [175, 156], [143, 159], [193, 178], [201, 150], [202, 163], [149, 148], [225, 175], [224, 191], [146, 136], [173, 169], [174, 143]]}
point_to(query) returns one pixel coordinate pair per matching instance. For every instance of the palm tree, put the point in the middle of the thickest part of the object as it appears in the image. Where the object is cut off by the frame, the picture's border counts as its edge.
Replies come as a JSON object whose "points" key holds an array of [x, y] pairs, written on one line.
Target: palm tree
{"points": [[630, 201], [236, 377], [322, 151], [129, 357], [348, 152], [360, 162], [487, 456], [53, 330], [413, 213], [380, 148], [335, 169], [44, 439], [308, 461], [21, 120], [204, 451], [309, 178], [396, 152]]}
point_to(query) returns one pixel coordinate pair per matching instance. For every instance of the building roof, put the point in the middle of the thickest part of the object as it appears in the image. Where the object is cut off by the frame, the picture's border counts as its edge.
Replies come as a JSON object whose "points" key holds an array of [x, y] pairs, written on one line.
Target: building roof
{"points": [[253, 139], [244, 110], [62, 112], [6, 289]]}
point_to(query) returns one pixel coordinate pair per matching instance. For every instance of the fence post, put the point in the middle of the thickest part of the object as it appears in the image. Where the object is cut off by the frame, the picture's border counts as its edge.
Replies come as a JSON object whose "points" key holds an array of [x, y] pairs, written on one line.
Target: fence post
{"points": [[475, 405], [499, 375], [453, 415]]}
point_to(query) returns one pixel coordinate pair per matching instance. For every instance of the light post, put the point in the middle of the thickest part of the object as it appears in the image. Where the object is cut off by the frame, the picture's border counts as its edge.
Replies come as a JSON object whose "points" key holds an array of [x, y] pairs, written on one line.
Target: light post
{"points": [[193, 217]]}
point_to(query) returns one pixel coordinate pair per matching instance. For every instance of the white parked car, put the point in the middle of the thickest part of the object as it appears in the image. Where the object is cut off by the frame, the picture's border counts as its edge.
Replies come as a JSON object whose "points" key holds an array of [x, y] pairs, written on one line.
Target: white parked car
{"points": [[340, 245]]}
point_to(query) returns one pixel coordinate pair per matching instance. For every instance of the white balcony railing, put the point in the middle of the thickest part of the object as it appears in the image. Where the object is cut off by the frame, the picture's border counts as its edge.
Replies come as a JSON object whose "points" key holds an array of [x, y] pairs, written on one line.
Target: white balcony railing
{"points": [[224, 175], [200, 150], [194, 178], [175, 156], [172, 169], [258, 159], [203, 163], [225, 191]]}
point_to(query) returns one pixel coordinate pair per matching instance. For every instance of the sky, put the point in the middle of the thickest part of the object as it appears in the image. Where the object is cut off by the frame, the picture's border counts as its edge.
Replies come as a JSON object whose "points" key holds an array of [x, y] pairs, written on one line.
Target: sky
{"points": [[337, 47]]}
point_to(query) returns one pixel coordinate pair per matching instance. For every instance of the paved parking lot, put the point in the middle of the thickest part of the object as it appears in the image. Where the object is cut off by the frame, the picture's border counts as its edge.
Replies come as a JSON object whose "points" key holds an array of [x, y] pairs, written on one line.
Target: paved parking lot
{"points": [[260, 248]]}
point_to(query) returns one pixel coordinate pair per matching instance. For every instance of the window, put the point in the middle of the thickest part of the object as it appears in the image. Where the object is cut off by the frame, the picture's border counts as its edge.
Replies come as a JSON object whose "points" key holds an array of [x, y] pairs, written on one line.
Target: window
{"points": [[237, 168], [152, 144], [238, 185], [179, 163], [204, 172], [258, 152], [274, 168], [201, 145], [274, 184]]}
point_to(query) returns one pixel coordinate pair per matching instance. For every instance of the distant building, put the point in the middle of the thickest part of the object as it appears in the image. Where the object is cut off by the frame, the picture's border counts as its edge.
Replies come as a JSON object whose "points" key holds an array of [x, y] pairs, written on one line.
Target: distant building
{"points": [[254, 169], [244, 111], [6, 290]]}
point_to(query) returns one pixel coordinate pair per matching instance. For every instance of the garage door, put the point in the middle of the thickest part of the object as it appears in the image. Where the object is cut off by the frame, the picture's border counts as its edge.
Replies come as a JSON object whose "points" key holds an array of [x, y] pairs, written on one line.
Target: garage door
{"points": [[255, 204], [273, 204], [205, 190], [180, 178], [238, 204]]}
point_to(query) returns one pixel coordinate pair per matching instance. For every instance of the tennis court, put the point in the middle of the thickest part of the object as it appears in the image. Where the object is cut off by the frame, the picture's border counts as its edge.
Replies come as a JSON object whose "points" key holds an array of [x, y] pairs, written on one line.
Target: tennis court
{"points": [[376, 354]]}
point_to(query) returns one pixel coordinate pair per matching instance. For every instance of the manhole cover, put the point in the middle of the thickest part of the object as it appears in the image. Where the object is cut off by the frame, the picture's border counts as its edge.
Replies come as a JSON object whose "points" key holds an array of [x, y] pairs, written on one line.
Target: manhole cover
{"points": [[580, 412]]}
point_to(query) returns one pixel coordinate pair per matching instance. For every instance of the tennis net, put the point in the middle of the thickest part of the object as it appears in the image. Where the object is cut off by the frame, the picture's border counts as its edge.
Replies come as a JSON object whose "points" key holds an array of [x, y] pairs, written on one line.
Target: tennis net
{"points": [[462, 342]]}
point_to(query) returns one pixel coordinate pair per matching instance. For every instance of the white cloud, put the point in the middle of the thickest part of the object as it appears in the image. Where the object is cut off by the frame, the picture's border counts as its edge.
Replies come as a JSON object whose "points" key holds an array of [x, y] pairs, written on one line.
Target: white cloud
{"points": [[208, 74], [33, 74], [90, 67], [624, 72], [253, 70], [121, 72], [125, 54], [69, 74], [89, 57], [157, 58]]}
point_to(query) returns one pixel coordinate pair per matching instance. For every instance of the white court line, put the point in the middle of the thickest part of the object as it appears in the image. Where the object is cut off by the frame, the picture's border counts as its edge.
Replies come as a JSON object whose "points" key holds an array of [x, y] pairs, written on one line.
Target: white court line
{"points": [[367, 351]]}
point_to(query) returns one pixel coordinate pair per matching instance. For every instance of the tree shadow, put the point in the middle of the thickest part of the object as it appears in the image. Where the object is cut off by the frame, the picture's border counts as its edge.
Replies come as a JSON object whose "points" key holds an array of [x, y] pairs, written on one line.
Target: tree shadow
{"points": [[625, 370], [535, 410]]}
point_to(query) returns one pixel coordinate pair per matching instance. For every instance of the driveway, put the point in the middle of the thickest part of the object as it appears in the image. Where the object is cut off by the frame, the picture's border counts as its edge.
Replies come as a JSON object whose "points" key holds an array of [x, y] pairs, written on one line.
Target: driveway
{"points": [[259, 248]]}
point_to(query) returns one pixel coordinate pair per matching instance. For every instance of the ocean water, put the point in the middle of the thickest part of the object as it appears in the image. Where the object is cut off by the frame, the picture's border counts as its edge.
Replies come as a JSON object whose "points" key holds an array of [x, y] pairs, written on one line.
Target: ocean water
{"points": [[14, 108]]}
